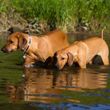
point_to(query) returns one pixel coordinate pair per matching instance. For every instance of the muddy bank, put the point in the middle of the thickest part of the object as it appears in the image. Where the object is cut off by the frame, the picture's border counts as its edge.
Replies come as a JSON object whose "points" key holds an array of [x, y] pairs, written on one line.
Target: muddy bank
{"points": [[13, 22]]}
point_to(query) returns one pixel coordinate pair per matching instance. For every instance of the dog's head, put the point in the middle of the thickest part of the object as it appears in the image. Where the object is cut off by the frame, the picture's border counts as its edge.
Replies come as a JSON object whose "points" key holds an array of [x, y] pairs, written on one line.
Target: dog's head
{"points": [[62, 58], [15, 41]]}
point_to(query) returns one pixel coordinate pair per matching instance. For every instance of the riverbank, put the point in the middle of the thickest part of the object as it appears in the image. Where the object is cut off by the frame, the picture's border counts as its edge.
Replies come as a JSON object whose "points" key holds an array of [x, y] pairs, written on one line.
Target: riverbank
{"points": [[42, 16]]}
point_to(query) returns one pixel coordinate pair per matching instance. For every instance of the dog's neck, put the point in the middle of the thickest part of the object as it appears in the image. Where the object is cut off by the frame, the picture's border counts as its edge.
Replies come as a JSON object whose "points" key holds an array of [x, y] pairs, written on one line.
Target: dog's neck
{"points": [[28, 45]]}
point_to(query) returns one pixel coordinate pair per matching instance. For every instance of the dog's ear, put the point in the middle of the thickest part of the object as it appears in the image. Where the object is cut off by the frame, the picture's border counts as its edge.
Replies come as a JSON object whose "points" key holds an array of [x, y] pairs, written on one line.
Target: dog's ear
{"points": [[70, 59], [22, 41]]}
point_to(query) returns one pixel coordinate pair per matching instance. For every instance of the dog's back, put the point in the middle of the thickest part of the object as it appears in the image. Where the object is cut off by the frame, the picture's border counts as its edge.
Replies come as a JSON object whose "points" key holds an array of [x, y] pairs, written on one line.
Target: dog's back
{"points": [[58, 40]]}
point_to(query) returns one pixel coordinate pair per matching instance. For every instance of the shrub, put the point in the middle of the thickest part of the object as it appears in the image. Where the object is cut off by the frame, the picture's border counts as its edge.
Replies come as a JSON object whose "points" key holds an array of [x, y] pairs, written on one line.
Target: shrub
{"points": [[66, 14]]}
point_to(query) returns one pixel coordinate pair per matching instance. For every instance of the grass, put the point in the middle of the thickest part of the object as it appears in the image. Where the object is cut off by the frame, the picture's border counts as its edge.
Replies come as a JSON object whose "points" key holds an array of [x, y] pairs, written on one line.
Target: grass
{"points": [[64, 14]]}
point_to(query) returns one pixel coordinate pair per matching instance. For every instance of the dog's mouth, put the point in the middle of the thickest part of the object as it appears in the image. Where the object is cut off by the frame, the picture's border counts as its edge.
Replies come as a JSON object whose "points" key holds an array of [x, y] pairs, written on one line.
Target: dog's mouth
{"points": [[5, 50], [59, 67]]}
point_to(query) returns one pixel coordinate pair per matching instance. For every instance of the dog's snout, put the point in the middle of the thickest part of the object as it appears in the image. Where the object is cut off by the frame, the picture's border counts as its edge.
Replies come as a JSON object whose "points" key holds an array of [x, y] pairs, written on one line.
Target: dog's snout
{"points": [[3, 49], [58, 66]]}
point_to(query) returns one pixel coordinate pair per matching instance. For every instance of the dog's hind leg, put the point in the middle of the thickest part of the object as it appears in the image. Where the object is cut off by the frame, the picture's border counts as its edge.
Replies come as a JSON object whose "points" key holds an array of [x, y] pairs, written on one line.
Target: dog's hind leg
{"points": [[105, 59]]}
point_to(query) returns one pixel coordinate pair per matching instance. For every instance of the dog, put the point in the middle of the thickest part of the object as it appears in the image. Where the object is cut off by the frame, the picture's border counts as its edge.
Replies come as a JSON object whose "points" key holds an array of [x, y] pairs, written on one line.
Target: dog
{"points": [[82, 52], [36, 48]]}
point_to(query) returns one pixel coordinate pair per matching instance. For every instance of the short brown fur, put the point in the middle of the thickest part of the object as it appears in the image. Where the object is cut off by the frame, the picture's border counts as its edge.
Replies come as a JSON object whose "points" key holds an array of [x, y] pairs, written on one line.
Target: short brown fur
{"points": [[83, 52], [40, 48]]}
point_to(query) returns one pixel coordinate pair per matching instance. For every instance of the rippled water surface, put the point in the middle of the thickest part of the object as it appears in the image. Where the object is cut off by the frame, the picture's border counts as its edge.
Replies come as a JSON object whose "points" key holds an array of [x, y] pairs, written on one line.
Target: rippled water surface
{"points": [[49, 89]]}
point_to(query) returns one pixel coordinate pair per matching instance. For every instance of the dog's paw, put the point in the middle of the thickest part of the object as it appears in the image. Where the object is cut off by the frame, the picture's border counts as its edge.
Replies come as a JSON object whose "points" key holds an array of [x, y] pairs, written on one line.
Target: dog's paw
{"points": [[28, 65]]}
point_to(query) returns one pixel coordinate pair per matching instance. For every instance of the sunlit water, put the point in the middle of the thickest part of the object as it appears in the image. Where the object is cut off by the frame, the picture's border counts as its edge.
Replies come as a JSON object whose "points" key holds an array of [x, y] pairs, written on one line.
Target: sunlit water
{"points": [[50, 89]]}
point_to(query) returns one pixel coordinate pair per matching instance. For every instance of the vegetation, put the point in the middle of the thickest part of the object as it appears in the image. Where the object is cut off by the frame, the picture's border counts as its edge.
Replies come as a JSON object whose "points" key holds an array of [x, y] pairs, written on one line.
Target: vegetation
{"points": [[66, 14]]}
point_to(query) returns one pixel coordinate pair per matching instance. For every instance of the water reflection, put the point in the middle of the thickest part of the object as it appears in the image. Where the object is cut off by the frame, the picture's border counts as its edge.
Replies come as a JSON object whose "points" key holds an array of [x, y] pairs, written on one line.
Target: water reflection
{"points": [[48, 85], [80, 79], [15, 93], [43, 85]]}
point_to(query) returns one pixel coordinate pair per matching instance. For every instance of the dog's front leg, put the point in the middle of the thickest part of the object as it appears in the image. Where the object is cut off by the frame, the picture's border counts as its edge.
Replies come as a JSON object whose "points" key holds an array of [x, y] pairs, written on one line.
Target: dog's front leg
{"points": [[29, 61], [82, 64], [82, 60]]}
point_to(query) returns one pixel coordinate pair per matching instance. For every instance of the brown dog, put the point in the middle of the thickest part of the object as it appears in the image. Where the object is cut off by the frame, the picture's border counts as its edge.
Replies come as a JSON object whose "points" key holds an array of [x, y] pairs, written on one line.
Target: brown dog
{"points": [[83, 52], [36, 48]]}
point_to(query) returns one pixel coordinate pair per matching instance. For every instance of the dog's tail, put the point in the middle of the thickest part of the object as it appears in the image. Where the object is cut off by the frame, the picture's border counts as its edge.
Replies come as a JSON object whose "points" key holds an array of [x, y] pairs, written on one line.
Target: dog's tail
{"points": [[102, 32]]}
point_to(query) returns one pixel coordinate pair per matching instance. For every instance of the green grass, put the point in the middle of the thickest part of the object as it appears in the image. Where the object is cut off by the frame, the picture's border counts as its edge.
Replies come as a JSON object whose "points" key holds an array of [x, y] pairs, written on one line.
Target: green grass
{"points": [[62, 13]]}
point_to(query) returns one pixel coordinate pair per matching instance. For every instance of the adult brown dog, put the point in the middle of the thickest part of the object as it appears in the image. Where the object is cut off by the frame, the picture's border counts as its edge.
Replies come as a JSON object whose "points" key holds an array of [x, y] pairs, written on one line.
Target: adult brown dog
{"points": [[36, 48], [83, 52]]}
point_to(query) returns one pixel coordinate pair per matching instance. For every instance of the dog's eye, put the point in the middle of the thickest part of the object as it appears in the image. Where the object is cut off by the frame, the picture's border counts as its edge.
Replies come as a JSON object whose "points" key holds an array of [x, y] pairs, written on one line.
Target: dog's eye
{"points": [[62, 58], [11, 42]]}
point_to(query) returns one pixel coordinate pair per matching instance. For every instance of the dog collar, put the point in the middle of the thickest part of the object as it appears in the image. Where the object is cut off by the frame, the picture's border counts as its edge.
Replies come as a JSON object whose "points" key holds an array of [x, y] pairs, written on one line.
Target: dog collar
{"points": [[28, 45]]}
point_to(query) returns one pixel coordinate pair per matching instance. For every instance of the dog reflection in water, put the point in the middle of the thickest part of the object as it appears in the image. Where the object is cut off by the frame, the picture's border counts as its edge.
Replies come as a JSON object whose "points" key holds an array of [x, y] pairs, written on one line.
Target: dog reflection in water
{"points": [[47, 85]]}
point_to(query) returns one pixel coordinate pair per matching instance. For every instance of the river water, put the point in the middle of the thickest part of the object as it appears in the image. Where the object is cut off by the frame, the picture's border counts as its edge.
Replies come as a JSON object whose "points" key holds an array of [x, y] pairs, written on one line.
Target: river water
{"points": [[42, 88]]}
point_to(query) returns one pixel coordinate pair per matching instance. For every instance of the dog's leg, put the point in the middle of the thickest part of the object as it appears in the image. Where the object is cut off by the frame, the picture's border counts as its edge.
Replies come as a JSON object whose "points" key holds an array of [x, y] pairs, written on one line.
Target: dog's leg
{"points": [[105, 59], [82, 61], [28, 62], [82, 64], [82, 58]]}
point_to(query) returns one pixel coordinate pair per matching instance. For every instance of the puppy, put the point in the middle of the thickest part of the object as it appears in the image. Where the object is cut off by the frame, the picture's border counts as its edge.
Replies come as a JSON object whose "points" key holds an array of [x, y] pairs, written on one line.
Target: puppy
{"points": [[83, 52], [36, 48]]}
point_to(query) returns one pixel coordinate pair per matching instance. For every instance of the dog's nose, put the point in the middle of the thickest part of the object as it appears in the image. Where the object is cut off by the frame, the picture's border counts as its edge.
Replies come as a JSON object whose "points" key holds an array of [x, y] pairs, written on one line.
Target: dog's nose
{"points": [[3, 49]]}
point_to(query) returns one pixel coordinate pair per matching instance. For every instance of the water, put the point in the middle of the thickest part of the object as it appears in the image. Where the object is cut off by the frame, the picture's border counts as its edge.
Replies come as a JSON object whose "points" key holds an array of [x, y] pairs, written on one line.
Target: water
{"points": [[49, 89]]}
